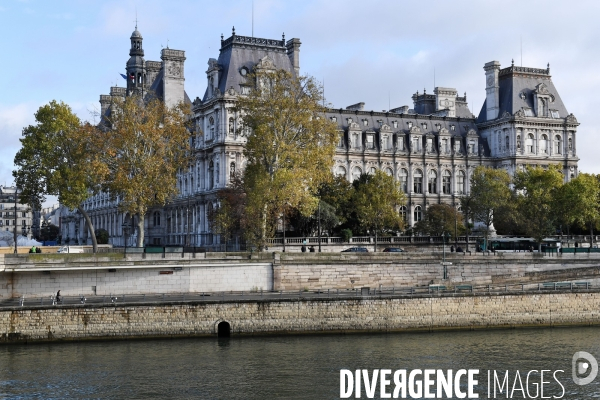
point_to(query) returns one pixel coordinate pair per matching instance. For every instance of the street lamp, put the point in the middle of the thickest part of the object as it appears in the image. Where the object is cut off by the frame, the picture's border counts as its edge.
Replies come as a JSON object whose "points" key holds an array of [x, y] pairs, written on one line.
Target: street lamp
{"points": [[444, 263]]}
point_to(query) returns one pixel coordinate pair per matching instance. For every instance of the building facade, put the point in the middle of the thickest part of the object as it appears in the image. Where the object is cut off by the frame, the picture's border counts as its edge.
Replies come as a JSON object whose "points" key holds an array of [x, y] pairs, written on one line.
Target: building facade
{"points": [[13, 214], [431, 148]]}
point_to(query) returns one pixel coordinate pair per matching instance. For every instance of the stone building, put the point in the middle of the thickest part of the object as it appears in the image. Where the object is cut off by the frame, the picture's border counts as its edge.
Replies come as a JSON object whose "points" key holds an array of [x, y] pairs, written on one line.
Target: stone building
{"points": [[26, 220], [431, 148]]}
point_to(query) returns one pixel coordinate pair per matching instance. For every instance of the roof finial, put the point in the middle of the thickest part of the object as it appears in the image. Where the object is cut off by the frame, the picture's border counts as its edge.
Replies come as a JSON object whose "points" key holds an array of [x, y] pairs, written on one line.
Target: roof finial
{"points": [[233, 30], [512, 63], [424, 91], [548, 69], [283, 36], [221, 37]]}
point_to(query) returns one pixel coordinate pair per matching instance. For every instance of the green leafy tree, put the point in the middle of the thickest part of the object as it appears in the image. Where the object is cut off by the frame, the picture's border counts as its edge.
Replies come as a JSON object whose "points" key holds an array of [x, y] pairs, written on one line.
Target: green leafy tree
{"points": [[537, 191], [489, 192], [102, 236], [145, 146], [441, 219], [289, 149], [57, 158], [309, 225], [227, 219], [376, 200], [467, 205], [578, 202]]}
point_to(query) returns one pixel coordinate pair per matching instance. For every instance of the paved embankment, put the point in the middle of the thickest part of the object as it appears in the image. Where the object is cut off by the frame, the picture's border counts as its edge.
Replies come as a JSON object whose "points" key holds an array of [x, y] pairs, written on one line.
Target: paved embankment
{"points": [[341, 314]]}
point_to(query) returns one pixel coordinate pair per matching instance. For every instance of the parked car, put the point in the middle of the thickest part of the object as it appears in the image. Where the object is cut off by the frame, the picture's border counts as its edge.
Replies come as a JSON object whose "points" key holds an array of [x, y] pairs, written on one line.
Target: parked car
{"points": [[356, 250], [394, 250], [70, 249]]}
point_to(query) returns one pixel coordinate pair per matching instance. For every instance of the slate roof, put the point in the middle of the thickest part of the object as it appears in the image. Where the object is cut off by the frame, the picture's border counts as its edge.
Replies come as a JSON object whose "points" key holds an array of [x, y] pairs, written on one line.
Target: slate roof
{"points": [[517, 85]]}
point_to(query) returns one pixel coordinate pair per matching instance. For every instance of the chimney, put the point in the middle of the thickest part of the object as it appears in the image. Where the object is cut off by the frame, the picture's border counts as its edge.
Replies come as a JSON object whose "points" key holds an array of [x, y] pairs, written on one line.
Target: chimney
{"points": [[356, 107], [492, 90], [293, 52]]}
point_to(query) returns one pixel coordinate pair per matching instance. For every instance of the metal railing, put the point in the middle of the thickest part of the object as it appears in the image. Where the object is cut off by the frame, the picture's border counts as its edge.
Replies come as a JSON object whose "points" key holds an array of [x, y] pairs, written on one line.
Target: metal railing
{"points": [[305, 294]]}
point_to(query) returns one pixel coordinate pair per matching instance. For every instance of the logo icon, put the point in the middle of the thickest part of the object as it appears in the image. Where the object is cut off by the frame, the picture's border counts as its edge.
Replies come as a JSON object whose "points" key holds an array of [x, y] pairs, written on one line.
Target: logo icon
{"points": [[584, 364]]}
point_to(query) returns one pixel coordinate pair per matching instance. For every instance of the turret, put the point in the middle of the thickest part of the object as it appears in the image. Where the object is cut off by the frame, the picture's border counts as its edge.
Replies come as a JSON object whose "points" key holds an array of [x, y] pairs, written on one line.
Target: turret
{"points": [[136, 74]]}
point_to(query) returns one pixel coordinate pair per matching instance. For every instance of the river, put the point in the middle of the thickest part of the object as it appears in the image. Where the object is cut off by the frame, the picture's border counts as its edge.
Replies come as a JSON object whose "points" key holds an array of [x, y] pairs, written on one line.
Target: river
{"points": [[285, 367]]}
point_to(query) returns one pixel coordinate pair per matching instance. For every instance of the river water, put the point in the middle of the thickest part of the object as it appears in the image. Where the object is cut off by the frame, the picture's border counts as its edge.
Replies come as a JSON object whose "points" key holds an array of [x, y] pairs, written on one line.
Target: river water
{"points": [[286, 367]]}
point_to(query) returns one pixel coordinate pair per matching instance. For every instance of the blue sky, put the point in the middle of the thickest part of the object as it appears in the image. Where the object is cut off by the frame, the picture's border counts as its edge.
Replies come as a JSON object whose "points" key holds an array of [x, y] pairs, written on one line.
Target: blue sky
{"points": [[379, 52]]}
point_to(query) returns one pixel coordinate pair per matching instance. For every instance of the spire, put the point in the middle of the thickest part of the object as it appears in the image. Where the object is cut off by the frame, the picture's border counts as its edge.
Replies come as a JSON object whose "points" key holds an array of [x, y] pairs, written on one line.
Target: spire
{"points": [[136, 43]]}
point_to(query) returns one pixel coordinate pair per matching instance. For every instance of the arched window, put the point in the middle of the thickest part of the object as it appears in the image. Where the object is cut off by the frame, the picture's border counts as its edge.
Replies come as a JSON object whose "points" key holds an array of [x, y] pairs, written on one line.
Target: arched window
{"points": [[460, 182], [416, 143], [432, 182], [445, 146], [544, 144], [403, 213], [506, 143], [418, 214], [356, 173], [232, 171], [570, 144], [403, 177], [231, 127], [385, 142], [472, 146], [446, 177], [156, 218], [341, 171], [389, 171], [418, 181], [211, 175], [456, 145], [529, 143], [400, 142], [217, 173], [519, 142], [557, 145], [356, 140], [372, 171]]}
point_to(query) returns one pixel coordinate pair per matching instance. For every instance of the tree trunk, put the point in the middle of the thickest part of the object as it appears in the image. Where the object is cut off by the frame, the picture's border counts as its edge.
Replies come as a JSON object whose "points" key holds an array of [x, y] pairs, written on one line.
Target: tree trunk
{"points": [[375, 245], [88, 222], [591, 235], [140, 226]]}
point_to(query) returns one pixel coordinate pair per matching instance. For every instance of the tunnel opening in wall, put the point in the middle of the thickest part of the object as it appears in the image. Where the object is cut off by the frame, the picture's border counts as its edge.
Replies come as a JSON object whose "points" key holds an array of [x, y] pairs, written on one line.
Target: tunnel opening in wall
{"points": [[223, 329]]}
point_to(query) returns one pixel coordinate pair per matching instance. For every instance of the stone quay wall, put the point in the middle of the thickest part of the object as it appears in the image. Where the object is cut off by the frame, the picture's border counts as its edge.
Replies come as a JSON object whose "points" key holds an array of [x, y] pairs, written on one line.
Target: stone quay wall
{"points": [[299, 316]]}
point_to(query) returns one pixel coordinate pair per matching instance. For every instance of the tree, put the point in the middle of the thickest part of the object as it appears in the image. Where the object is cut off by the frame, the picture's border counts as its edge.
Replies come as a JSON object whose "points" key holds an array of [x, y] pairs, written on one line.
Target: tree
{"points": [[489, 192], [440, 219], [578, 201], [227, 218], [377, 201], [537, 191], [57, 158], [289, 149], [145, 146], [102, 236]]}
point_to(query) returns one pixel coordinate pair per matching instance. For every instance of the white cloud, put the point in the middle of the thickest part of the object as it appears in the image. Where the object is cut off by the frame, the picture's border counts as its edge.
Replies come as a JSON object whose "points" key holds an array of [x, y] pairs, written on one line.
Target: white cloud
{"points": [[13, 118]]}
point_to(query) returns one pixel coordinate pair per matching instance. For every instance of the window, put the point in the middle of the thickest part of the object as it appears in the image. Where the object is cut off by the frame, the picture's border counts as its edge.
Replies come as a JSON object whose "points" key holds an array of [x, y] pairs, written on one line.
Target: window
{"points": [[446, 177], [403, 213], [389, 171], [472, 146], [211, 125], [445, 147], [409, 125], [416, 143], [246, 90], [341, 140], [341, 171], [156, 218], [570, 144], [456, 146], [334, 119], [372, 170], [395, 124], [418, 214], [403, 179], [217, 173], [506, 143], [424, 126], [429, 145], [452, 127], [356, 141], [432, 182], [544, 144], [542, 108], [356, 173], [24, 214], [557, 145], [232, 171], [370, 142], [349, 120], [386, 142], [554, 114], [365, 122], [518, 141], [211, 175], [400, 142], [529, 143], [460, 183], [418, 181], [528, 112]]}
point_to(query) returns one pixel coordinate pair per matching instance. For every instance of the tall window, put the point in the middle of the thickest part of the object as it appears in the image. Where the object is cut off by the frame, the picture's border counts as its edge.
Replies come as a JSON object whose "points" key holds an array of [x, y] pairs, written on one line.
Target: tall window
{"points": [[356, 141], [403, 213], [418, 181], [432, 182], [400, 142], [446, 176], [386, 142], [518, 142], [544, 144], [231, 127], [403, 179], [370, 141], [456, 146], [429, 145], [418, 214], [211, 175], [389, 171], [356, 173], [445, 147], [416, 143], [506, 143], [529, 143], [570, 144], [211, 127], [341, 171], [156, 218], [557, 145], [341, 140], [460, 183], [471, 146]]}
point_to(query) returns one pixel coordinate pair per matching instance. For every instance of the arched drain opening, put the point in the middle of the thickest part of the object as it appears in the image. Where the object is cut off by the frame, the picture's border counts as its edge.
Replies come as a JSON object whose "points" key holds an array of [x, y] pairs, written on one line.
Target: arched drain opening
{"points": [[223, 329]]}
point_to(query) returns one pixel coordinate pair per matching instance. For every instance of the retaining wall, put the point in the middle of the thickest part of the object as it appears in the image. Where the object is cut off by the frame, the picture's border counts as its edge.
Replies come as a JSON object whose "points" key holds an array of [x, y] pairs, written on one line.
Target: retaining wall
{"points": [[428, 313]]}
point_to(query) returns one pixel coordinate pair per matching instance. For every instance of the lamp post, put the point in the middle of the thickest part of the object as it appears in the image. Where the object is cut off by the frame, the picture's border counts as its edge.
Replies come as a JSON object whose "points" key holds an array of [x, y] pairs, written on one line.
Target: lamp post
{"points": [[319, 225], [444, 263]]}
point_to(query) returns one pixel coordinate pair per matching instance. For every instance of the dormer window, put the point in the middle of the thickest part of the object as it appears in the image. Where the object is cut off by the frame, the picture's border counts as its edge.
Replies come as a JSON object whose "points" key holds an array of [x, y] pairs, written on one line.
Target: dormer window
{"points": [[395, 124], [409, 125], [554, 114], [380, 122], [452, 127], [334, 119], [365, 122], [349, 120], [370, 142], [424, 126], [244, 71], [528, 112]]}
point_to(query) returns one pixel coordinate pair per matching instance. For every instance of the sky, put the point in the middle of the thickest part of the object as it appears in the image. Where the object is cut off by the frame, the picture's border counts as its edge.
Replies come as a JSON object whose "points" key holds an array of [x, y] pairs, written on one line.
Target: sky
{"points": [[378, 52]]}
